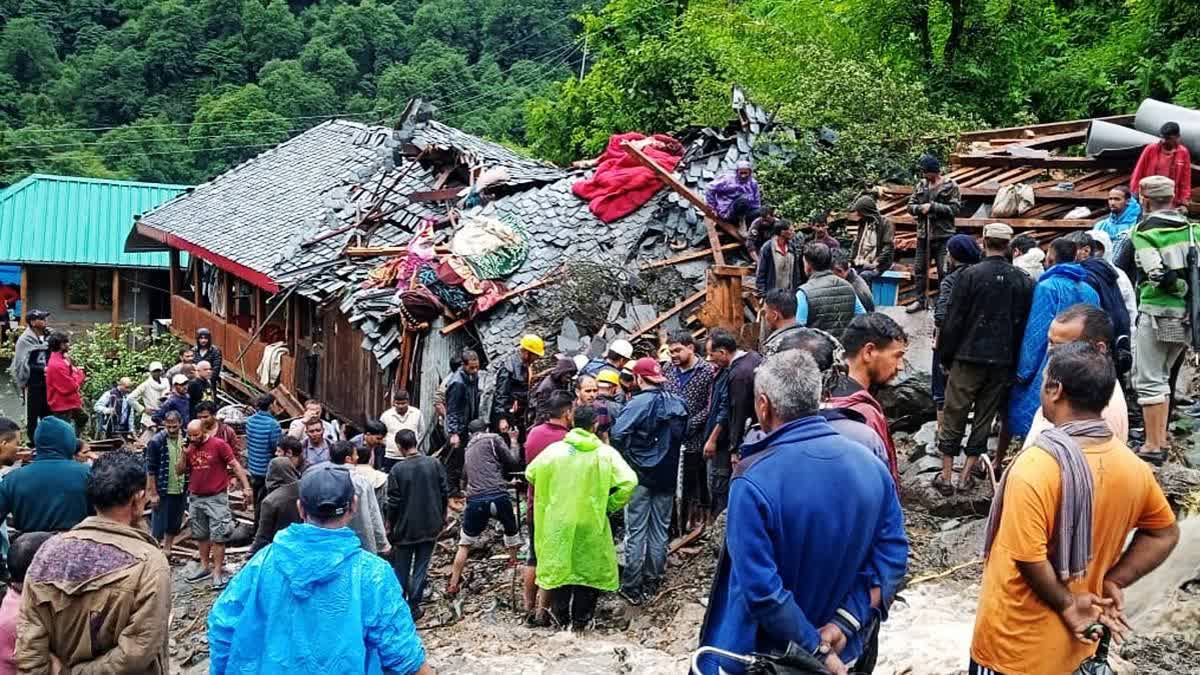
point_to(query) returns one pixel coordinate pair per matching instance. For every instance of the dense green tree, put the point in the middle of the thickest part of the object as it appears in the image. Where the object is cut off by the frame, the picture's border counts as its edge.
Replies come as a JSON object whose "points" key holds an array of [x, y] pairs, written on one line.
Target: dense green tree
{"points": [[451, 22], [234, 126], [269, 31], [27, 51], [524, 30], [294, 93], [151, 149], [370, 32], [171, 35], [105, 86]]}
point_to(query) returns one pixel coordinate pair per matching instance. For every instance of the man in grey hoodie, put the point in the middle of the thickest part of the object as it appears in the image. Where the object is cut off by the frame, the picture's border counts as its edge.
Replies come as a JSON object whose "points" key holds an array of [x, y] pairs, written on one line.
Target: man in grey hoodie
{"points": [[31, 381], [367, 522]]}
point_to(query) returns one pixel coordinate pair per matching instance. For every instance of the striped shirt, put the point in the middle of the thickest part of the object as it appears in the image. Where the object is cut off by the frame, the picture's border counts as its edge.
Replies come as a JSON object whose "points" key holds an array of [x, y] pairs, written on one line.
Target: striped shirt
{"points": [[262, 435]]}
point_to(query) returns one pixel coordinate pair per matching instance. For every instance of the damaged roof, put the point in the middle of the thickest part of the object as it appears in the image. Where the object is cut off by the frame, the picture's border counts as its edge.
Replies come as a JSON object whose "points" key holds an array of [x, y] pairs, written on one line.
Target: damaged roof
{"points": [[238, 220]]}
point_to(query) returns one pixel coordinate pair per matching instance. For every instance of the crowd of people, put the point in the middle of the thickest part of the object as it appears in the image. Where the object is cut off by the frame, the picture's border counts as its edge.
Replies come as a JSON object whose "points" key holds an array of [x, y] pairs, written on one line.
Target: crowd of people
{"points": [[788, 443]]}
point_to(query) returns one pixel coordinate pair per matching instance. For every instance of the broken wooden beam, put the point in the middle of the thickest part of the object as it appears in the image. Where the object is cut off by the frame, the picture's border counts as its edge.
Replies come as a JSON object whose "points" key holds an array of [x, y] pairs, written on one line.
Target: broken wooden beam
{"points": [[1041, 129], [1042, 195], [684, 191], [434, 195], [553, 276], [662, 318], [1015, 223], [1053, 162], [374, 251], [686, 257], [714, 241]]}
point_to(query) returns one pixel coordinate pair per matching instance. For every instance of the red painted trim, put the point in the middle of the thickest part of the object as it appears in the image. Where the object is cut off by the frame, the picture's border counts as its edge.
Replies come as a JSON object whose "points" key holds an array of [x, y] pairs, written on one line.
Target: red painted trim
{"points": [[238, 270]]}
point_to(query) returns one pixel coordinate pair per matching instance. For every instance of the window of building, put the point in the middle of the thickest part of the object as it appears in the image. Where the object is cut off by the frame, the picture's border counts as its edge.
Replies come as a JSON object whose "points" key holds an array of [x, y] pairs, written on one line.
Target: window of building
{"points": [[79, 287], [87, 289]]}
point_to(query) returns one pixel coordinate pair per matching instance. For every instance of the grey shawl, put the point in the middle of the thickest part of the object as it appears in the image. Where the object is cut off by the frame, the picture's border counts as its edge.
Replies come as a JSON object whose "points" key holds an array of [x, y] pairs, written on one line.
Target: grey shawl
{"points": [[1070, 546]]}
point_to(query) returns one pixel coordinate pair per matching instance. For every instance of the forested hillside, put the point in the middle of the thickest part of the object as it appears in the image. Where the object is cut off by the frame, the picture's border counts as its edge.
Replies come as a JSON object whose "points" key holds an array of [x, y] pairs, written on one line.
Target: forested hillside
{"points": [[179, 90], [172, 90]]}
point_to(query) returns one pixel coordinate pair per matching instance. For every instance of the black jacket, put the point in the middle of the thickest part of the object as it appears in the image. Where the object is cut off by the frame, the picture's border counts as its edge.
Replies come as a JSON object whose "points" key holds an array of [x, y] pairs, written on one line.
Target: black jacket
{"points": [[986, 317], [945, 290], [417, 493], [462, 402], [214, 358], [512, 384], [278, 511]]}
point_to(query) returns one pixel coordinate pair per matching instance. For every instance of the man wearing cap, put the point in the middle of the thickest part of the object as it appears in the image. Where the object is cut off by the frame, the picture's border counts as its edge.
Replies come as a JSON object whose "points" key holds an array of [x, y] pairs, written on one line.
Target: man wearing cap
{"points": [[178, 400], [874, 246], [934, 203], [151, 393], [1169, 159], [315, 580], [1160, 243], [30, 357], [205, 350], [735, 196], [978, 344], [620, 352], [610, 399], [511, 398], [649, 433]]}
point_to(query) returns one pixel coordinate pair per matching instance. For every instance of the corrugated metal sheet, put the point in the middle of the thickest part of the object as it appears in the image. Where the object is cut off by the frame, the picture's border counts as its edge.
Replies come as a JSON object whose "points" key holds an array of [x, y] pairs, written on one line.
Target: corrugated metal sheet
{"points": [[77, 221]]}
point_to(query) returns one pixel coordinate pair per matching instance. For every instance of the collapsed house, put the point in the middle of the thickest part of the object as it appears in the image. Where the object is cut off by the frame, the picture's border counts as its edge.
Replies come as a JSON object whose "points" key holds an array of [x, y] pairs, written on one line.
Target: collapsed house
{"points": [[353, 260]]}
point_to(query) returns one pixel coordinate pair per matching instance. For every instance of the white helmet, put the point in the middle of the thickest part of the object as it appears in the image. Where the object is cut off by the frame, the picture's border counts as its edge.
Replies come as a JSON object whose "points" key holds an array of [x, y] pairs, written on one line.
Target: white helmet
{"points": [[621, 348]]}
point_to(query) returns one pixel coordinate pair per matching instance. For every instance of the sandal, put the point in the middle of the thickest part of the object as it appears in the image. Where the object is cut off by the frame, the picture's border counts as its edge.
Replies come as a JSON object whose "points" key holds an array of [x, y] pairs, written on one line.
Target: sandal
{"points": [[943, 486], [968, 484]]}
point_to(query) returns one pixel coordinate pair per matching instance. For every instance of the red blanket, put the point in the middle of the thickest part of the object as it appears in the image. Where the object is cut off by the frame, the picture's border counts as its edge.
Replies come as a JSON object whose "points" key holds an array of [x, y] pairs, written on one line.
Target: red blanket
{"points": [[621, 184]]}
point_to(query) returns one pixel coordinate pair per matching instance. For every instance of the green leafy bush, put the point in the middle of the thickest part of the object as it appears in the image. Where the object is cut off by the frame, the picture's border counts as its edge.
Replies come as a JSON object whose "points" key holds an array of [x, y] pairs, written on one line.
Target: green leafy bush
{"points": [[106, 359]]}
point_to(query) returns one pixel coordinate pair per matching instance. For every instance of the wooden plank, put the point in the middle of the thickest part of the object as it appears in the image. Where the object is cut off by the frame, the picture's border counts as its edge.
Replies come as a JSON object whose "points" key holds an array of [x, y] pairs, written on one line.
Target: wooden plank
{"points": [[173, 270], [694, 255], [195, 281], [1039, 195], [553, 276], [434, 195], [288, 401], [1015, 223], [714, 241], [1051, 141], [374, 251], [1077, 163], [24, 292], [682, 305], [683, 191], [116, 302], [1041, 129]]}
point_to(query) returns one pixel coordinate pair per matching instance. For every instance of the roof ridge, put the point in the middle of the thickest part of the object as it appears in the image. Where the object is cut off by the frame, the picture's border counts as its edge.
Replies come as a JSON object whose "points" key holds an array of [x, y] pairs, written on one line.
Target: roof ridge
{"points": [[115, 182]]}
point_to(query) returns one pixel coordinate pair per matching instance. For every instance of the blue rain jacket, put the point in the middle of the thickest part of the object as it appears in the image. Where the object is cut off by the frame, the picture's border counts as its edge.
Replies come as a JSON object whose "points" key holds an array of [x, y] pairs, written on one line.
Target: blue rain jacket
{"points": [[313, 602]]}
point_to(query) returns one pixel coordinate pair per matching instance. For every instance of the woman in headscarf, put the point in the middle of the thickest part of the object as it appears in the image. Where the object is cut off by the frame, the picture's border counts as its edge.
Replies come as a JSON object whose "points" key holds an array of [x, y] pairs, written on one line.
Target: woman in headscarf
{"points": [[735, 196]]}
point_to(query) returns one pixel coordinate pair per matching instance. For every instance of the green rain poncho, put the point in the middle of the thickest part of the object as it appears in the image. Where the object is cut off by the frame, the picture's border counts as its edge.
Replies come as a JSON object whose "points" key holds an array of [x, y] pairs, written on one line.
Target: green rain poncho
{"points": [[577, 482]]}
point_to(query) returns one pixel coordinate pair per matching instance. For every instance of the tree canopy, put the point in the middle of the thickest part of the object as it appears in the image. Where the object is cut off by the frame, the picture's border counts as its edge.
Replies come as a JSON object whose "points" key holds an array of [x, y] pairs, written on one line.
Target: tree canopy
{"points": [[178, 90]]}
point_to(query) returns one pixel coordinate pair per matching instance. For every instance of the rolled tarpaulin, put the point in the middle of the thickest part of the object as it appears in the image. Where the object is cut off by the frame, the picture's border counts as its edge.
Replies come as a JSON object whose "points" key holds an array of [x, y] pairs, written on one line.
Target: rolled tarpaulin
{"points": [[1107, 140], [1152, 114]]}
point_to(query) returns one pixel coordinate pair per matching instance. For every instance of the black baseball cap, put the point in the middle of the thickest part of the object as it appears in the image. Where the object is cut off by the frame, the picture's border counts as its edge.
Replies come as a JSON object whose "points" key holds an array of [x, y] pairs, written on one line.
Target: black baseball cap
{"points": [[37, 314], [326, 490]]}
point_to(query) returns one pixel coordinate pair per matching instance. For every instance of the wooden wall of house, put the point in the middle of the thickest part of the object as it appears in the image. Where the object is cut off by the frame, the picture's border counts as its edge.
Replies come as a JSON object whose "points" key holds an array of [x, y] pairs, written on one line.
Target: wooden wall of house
{"points": [[347, 377]]}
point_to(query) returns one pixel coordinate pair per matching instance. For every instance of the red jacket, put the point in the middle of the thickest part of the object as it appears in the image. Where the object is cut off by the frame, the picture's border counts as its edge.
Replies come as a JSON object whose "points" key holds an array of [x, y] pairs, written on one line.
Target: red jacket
{"points": [[865, 404], [62, 384], [1154, 162]]}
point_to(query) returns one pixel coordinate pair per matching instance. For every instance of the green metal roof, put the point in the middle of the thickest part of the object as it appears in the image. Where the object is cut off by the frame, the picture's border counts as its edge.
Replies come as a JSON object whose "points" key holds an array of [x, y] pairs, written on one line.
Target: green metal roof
{"points": [[77, 221]]}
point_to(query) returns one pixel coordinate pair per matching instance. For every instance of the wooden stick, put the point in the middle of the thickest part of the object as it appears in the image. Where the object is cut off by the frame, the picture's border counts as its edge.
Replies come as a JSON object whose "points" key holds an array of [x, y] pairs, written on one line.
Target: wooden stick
{"points": [[683, 304], [373, 251], [553, 276], [694, 255], [939, 575], [1073, 224]]}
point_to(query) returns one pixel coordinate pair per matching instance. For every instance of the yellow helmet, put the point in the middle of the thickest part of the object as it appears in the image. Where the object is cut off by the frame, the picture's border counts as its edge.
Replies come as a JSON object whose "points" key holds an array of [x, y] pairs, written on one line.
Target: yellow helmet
{"points": [[609, 376], [533, 344]]}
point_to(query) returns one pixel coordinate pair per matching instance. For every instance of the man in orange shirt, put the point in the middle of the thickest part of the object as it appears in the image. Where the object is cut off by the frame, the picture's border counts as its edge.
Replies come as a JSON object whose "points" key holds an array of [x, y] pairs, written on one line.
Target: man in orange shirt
{"points": [[1055, 559]]}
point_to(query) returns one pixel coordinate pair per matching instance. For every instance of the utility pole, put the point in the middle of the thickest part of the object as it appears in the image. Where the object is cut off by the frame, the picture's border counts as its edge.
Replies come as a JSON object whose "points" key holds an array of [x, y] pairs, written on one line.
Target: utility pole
{"points": [[583, 63]]}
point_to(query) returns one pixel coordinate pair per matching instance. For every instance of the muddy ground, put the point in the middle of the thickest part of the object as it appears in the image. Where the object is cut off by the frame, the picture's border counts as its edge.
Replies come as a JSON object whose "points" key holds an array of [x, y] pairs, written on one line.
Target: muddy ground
{"points": [[481, 632]]}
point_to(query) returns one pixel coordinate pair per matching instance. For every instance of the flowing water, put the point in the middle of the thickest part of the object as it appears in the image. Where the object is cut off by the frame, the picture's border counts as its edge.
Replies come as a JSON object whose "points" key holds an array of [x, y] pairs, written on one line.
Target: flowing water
{"points": [[929, 631]]}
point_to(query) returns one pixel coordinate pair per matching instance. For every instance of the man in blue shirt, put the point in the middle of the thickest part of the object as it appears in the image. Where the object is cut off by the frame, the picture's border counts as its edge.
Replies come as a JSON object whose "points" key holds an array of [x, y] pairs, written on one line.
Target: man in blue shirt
{"points": [[262, 437], [316, 580], [815, 545]]}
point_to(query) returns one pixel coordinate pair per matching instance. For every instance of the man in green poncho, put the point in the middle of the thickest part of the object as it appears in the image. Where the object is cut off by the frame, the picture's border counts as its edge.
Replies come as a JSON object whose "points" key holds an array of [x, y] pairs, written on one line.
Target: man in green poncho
{"points": [[578, 482]]}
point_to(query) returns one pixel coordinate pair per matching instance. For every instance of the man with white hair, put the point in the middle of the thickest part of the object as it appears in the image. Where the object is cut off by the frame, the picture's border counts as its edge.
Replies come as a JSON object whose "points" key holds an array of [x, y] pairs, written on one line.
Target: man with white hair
{"points": [[815, 545], [117, 411]]}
